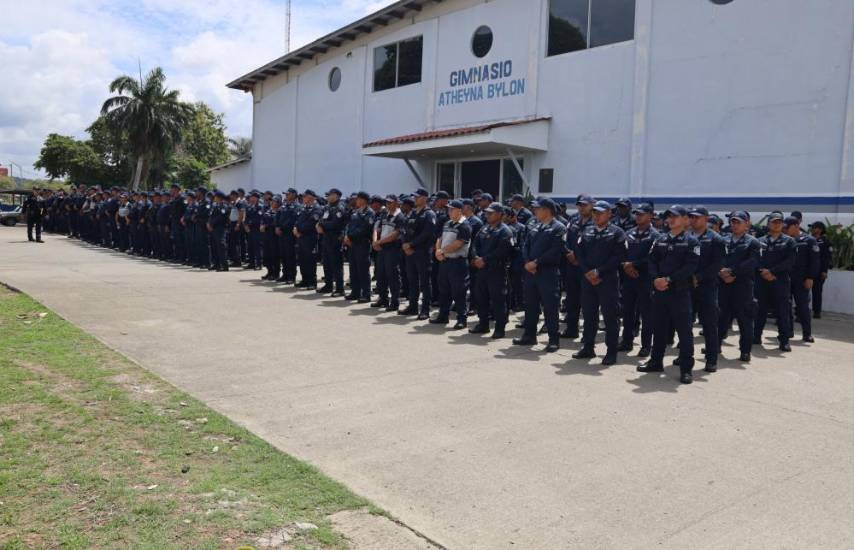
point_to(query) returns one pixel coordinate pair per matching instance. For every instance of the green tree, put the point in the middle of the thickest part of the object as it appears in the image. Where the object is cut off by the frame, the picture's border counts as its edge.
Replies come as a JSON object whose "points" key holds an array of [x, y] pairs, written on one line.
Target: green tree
{"points": [[111, 146], [152, 116], [204, 138], [55, 156], [190, 173]]}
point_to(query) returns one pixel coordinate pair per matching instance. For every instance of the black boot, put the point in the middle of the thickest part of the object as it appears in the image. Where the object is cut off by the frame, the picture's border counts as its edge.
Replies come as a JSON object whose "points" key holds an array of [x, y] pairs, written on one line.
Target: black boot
{"points": [[584, 353], [650, 366]]}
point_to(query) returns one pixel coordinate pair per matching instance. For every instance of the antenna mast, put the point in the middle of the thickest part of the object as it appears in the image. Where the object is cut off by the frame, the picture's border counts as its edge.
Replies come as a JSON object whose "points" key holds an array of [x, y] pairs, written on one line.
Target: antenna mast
{"points": [[288, 28]]}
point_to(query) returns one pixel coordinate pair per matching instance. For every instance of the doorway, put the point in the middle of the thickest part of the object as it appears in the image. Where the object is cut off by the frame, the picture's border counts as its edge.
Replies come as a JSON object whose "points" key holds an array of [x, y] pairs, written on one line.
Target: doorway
{"points": [[496, 176]]}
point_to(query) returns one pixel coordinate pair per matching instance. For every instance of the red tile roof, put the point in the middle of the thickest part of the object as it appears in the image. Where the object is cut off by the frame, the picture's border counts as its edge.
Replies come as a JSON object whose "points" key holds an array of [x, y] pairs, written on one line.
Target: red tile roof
{"points": [[451, 132]]}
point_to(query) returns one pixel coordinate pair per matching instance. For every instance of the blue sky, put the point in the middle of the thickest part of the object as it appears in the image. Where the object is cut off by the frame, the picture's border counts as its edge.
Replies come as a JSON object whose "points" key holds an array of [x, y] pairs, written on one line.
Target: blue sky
{"points": [[58, 56]]}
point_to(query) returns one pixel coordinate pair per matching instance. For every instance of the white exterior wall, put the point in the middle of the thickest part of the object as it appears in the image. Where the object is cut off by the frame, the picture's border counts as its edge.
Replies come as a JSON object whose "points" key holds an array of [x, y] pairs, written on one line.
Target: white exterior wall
{"points": [[725, 105], [233, 177]]}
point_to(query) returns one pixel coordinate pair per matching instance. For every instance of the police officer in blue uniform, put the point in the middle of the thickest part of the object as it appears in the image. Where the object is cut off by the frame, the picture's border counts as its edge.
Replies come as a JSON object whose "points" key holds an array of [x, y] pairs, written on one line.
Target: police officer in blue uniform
{"points": [[272, 260], [493, 249], [776, 258], [305, 231], [203, 210], [804, 273], [452, 251], [235, 235], [572, 275], [177, 205], [623, 214], [387, 240], [543, 252], [601, 250], [737, 276], [285, 223], [164, 221], [331, 227], [672, 265], [418, 243], [252, 228], [216, 226], [637, 284], [819, 231], [189, 229], [440, 207], [357, 239], [706, 282], [522, 214], [516, 292]]}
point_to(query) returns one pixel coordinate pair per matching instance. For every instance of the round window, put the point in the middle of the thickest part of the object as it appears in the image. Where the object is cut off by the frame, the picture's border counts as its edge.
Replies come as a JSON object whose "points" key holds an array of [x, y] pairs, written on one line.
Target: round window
{"points": [[481, 42], [334, 79]]}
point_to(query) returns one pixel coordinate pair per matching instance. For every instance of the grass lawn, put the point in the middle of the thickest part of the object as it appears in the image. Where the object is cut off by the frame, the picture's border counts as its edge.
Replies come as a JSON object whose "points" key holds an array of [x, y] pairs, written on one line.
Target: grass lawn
{"points": [[97, 452]]}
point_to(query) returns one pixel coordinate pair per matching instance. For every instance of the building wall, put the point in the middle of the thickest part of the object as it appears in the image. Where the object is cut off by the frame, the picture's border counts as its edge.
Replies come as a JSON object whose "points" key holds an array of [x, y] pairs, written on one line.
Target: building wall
{"points": [[725, 104], [233, 177]]}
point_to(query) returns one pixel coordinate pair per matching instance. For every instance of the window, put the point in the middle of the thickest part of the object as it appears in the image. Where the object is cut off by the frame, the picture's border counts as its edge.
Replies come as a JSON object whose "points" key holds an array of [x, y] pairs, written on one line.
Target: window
{"points": [[398, 64], [445, 180], [481, 42], [334, 79], [547, 180], [581, 24]]}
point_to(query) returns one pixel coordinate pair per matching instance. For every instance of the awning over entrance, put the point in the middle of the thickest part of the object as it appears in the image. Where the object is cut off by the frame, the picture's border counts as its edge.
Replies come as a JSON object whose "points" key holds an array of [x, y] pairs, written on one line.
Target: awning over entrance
{"points": [[488, 139]]}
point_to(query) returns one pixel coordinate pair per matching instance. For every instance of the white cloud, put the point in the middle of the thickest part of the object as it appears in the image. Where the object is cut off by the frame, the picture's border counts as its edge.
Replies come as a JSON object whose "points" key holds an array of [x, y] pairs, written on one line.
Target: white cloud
{"points": [[60, 56]]}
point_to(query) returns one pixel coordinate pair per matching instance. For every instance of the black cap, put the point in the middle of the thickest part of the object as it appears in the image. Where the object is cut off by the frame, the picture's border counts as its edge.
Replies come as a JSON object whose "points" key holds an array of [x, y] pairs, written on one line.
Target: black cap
{"points": [[309, 193], [545, 202], [776, 215], [377, 198], [292, 191], [201, 190], [715, 219], [623, 201], [643, 208], [602, 206], [255, 194], [455, 204], [391, 198], [740, 215], [791, 220], [819, 225], [584, 199], [443, 195], [408, 200], [486, 197], [363, 195], [517, 197], [240, 190], [698, 210], [219, 194], [335, 191], [494, 207], [677, 210], [797, 214], [421, 193], [468, 202]]}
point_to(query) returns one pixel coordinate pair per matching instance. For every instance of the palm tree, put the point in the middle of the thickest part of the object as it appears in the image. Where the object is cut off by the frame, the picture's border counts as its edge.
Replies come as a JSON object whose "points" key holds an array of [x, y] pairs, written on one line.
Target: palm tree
{"points": [[150, 114], [240, 147]]}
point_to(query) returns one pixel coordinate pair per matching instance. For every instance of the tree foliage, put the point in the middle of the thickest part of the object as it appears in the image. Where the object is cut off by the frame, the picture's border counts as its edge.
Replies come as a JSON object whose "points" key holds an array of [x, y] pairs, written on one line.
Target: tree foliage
{"points": [[204, 137]]}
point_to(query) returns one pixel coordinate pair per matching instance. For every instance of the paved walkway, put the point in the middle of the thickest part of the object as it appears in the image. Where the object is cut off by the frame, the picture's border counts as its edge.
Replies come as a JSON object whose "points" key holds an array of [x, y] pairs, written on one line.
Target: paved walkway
{"points": [[478, 444]]}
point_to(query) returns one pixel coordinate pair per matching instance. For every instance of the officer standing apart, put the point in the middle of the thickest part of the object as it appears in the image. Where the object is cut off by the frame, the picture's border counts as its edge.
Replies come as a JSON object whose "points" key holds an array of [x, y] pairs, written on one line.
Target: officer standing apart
{"points": [[543, 253], [331, 228], [637, 285], [420, 238], [33, 208], [776, 258], [804, 273], [452, 251], [601, 250], [493, 248], [305, 231], [737, 277], [357, 239], [706, 282], [672, 264]]}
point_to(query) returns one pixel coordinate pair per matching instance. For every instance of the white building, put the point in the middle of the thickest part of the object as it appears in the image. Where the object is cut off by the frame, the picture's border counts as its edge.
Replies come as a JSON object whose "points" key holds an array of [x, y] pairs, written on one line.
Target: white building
{"points": [[233, 175], [728, 103]]}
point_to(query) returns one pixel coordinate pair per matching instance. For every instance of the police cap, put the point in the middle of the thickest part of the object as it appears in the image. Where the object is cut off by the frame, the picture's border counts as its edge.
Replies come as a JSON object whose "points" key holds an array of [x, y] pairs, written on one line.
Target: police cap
{"points": [[602, 206]]}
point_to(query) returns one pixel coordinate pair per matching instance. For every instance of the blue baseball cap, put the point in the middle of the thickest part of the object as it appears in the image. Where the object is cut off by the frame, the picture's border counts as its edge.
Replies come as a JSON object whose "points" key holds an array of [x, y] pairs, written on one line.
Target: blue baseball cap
{"points": [[584, 199], [602, 206]]}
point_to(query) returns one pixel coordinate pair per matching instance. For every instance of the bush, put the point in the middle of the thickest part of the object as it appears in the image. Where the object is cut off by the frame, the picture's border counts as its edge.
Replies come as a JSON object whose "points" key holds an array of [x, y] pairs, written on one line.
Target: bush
{"points": [[842, 240]]}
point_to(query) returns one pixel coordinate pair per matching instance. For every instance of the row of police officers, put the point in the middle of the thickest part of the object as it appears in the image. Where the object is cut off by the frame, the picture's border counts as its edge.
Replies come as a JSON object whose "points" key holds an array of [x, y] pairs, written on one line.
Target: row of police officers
{"points": [[624, 270]]}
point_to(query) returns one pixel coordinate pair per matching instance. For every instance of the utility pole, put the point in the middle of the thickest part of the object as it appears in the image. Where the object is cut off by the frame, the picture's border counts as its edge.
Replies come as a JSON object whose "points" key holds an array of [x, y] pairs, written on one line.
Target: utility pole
{"points": [[288, 28]]}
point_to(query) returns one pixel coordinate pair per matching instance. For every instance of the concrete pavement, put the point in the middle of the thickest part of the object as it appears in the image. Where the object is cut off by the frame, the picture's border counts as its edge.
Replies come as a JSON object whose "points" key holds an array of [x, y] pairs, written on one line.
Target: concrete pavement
{"points": [[478, 444]]}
